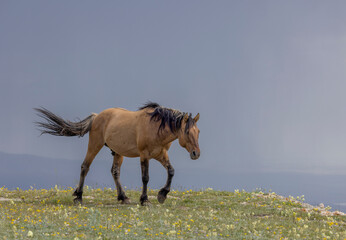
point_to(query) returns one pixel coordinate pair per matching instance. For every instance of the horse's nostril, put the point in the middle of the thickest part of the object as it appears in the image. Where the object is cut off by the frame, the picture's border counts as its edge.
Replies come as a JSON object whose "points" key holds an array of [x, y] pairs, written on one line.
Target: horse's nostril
{"points": [[194, 155]]}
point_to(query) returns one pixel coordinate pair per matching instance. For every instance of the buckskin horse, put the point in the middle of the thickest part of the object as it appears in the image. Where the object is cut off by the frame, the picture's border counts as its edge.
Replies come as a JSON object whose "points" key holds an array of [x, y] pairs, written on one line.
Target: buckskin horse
{"points": [[147, 133]]}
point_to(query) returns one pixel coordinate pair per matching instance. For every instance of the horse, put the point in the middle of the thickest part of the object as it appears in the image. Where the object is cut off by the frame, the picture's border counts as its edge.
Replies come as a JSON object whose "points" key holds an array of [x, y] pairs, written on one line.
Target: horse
{"points": [[146, 133]]}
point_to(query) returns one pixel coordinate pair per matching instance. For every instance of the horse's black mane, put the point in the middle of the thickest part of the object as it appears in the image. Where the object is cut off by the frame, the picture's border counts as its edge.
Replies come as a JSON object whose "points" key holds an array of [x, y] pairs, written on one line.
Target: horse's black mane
{"points": [[149, 105], [173, 118]]}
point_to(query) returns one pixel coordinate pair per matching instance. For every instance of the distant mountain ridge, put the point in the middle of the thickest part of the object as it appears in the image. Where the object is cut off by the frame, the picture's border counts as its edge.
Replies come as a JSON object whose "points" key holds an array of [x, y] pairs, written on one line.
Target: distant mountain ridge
{"points": [[24, 171]]}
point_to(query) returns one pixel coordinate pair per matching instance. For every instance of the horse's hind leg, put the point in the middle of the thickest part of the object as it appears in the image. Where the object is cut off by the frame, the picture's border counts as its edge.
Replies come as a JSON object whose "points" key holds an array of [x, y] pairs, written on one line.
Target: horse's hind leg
{"points": [[117, 161], [94, 147]]}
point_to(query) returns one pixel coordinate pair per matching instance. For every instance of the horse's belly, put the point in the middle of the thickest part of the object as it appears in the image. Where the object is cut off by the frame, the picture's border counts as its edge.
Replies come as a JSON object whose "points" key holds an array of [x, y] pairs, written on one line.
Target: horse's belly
{"points": [[121, 135], [127, 152], [122, 145]]}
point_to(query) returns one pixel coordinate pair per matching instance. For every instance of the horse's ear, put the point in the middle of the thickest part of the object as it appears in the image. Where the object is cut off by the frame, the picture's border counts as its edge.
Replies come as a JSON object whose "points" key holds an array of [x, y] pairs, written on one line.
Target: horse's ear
{"points": [[195, 119], [186, 117]]}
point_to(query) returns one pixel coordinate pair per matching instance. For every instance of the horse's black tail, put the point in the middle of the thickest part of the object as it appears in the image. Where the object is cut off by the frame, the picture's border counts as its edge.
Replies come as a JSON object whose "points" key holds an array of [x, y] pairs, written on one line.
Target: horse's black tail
{"points": [[57, 126]]}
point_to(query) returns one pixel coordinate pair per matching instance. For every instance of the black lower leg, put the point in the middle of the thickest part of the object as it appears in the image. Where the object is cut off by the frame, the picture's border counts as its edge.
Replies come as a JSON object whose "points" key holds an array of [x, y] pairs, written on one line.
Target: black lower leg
{"points": [[145, 180], [162, 195], [79, 190], [116, 176]]}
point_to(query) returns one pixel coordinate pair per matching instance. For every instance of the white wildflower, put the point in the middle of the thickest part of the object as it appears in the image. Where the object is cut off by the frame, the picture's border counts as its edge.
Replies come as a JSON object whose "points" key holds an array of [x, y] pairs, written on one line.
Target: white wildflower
{"points": [[30, 234]]}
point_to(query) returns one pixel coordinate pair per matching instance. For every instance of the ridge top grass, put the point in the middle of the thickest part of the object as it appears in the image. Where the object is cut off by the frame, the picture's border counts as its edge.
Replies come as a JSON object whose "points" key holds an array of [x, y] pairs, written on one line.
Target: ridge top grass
{"points": [[188, 214]]}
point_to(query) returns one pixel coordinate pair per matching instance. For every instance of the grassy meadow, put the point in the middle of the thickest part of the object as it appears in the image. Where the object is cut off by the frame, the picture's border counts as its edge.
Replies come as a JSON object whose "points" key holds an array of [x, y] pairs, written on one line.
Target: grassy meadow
{"points": [[205, 214]]}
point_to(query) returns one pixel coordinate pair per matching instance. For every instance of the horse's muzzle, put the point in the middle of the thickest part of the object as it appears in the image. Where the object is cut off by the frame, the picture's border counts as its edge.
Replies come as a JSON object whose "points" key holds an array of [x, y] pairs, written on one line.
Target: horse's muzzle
{"points": [[194, 155]]}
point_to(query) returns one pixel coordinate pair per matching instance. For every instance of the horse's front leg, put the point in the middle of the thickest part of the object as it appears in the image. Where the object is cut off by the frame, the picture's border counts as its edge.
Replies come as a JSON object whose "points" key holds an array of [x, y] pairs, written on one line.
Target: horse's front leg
{"points": [[162, 195], [145, 179]]}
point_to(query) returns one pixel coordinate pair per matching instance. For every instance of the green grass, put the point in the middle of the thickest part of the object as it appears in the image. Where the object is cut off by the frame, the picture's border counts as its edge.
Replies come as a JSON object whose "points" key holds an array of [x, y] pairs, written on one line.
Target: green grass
{"points": [[207, 214]]}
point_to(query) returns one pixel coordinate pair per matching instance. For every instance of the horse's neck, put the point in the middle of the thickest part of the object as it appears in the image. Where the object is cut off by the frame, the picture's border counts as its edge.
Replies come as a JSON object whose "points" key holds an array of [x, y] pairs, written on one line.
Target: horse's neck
{"points": [[167, 137]]}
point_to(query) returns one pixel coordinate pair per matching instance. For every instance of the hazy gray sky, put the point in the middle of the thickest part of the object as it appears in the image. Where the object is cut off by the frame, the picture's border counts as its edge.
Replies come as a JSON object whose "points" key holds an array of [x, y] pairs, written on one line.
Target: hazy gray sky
{"points": [[268, 77]]}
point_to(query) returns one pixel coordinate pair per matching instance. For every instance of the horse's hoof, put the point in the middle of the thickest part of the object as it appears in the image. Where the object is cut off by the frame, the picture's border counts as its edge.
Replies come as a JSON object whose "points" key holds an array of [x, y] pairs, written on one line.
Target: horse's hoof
{"points": [[162, 195], [77, 193], [161, 198], [146, 203], [126, 201], [78, 201]]}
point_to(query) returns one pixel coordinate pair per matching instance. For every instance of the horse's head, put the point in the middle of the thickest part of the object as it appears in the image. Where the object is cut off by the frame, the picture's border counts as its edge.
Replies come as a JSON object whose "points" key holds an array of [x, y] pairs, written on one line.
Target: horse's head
{"points": [[188, 136]]}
